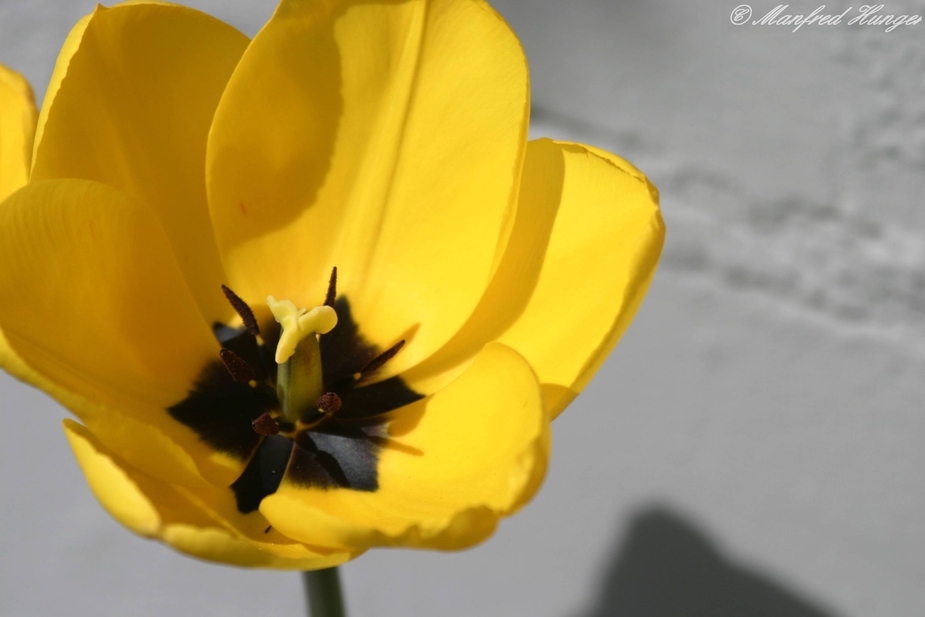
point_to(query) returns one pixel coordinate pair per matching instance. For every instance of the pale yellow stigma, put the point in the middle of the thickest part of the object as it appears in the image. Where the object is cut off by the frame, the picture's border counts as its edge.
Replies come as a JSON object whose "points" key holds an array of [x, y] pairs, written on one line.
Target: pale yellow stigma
{"points": [[298, 323]]}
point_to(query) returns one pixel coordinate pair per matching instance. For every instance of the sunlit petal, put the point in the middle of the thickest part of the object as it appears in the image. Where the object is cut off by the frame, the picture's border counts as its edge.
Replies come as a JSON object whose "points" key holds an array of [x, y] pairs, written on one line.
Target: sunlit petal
{"points": [[17, 126], [382, 138], [105, 313], [130, 105], [584, 248]]}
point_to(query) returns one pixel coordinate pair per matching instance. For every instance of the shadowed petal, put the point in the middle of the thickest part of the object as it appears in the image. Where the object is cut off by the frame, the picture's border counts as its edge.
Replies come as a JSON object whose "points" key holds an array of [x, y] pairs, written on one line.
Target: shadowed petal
{"points": [[385, 138]]}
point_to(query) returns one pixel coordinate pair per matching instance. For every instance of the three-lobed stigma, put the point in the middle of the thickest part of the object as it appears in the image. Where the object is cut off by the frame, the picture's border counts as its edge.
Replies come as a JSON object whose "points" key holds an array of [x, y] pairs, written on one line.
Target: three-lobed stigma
{"points": [[298, 323]]}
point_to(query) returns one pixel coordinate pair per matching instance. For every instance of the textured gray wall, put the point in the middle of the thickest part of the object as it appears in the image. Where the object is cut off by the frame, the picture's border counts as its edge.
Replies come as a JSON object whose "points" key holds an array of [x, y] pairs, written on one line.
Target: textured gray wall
{"points": [[754, 445]]}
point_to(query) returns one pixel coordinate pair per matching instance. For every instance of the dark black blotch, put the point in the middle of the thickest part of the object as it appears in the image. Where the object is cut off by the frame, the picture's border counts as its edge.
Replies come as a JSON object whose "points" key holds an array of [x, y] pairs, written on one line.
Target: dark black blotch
{"points": [[340, 454], [343, 451], [344, 352], [220, 411], [375, 399], [263, 474]]}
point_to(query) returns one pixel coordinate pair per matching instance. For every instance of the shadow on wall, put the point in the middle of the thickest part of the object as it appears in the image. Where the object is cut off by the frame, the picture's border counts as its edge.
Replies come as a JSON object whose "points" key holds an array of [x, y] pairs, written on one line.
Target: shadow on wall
{"points": [[666, 568]]}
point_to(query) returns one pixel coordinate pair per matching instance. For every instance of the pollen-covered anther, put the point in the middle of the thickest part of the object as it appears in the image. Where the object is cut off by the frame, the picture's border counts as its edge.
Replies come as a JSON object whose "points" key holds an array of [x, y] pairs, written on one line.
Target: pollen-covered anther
{"points": [[265, 425], [328, 403], [332, 288], [241, 371], [241, 308], [379, 361]]}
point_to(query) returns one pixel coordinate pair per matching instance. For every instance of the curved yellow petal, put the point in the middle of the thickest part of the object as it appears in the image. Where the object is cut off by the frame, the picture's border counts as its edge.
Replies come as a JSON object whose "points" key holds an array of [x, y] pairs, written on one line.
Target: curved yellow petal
{"points": [[17, 128], [453, 464], [130, 104], [70, 46], [382, 138], [14, 365], [203, 523], [92, 298], [584, 247], [113, 487]]}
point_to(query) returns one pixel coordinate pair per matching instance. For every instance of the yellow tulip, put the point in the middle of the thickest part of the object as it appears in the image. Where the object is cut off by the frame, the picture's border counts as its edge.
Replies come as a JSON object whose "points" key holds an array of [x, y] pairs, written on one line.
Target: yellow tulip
{"points": [[481, 279]]}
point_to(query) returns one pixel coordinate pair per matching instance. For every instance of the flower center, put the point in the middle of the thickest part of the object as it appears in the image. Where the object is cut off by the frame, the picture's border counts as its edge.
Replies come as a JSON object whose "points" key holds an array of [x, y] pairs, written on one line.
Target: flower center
{"points": [[295, 397]]}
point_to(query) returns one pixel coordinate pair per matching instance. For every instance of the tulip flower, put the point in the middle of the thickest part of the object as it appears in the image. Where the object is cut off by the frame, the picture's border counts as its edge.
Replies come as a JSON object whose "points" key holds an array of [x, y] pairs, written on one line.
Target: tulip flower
{"points": [[315, 292]]}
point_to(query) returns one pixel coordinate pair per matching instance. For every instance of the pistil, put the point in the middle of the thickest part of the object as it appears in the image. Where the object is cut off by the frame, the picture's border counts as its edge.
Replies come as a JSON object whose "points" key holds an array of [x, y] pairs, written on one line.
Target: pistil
{"points": [[298, 354]]}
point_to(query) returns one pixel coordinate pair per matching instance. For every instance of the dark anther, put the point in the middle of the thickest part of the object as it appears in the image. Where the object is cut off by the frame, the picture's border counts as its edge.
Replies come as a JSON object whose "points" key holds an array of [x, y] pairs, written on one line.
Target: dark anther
{"points": [[240, 306], [376, 363], [265, 425], [239, 369], [332, 288], [267, 530], [328, 403]]}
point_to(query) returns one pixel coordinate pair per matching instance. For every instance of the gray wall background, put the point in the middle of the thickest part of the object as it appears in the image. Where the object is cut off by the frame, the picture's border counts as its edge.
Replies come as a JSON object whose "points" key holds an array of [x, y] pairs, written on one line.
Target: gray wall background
{"points": [[754, 445]]}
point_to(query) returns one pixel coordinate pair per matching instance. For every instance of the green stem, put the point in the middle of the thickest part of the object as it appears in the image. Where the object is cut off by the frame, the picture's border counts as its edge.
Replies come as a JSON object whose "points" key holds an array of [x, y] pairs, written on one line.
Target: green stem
{"points": [[322, 591]]}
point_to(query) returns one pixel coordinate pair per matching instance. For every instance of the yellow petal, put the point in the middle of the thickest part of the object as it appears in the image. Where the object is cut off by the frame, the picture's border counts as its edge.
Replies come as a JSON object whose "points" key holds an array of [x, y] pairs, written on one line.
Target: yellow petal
{"points": [[382, 138], [454, 463], [583, 250], [13, 364], [17, 127], [92, 298], [203, 523], [113, 487], [130, 105]]}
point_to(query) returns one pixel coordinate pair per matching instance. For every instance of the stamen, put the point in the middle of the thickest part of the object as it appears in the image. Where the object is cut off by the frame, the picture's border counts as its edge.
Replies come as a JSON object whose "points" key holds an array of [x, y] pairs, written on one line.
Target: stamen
{"points": [[328, 403], [285, 426], [332, 288], [239, 369], [265, 425], [242, 309], [267, 530], [376, 363]]}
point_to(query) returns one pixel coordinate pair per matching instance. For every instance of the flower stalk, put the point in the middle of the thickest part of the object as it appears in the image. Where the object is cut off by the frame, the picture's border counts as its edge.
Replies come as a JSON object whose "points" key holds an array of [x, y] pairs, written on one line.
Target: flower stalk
{"points": [[323, 593]]}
